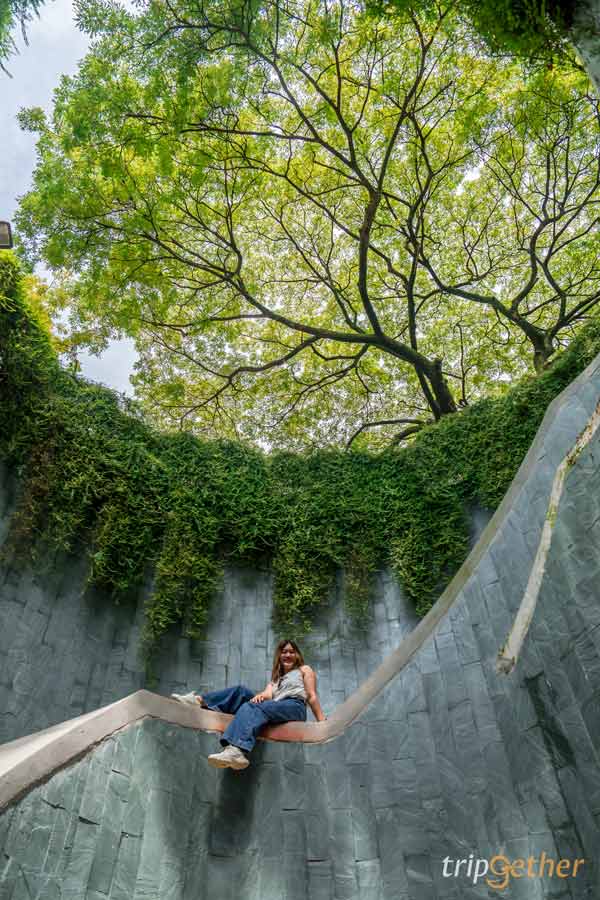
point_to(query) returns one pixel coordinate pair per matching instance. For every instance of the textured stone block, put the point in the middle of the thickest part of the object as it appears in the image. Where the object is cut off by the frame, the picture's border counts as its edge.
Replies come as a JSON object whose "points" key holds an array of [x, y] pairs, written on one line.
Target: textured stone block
{"points": [[31, 855], [422, 748], [294, 833], [468, 747], [267, 810], [364, 822], [77, 871], [272, 877], [318, 815], [356, 743], [464, 634], [504, 812], [195, 884], [473, 600], [426, 658], [124, 752], [393, 870], [554, 676], [342, 845], [420, 879], [437, 705], [579, 812], [461, 821], [445, 643], [94, 794], [56, 845], [568, 845], [110, 834], [320, 881], [293, 784], [6, 817], [222, 877], [152, 845], [295, 876], [21, 823], [9, 872], [410, 688], [481, 704], [338, 783], [388, 740]]}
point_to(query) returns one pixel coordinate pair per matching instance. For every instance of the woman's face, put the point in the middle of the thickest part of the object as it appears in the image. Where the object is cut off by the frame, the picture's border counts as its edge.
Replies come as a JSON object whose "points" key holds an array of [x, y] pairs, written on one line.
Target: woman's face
{"points": [[288, 657]]}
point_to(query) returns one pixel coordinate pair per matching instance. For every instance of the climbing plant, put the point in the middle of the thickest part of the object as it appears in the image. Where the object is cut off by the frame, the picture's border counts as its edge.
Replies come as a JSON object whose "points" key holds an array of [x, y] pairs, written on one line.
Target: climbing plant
{"points": [[92, 473]]}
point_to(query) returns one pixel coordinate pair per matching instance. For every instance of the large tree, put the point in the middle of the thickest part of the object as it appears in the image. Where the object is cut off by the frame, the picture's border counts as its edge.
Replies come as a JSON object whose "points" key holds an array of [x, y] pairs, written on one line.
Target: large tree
{"points": [[312, 218], [524, 240]]}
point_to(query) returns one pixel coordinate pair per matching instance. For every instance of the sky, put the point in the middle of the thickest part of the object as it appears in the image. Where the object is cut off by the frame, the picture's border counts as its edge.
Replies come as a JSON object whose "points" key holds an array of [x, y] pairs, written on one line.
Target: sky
{"points": [[55, 47]]}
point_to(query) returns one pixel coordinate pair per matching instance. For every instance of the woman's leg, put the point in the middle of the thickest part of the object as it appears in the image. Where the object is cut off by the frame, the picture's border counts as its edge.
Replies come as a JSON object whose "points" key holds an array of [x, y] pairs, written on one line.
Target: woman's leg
{"points": [[227, 700], [251, 717], [287, 710]]}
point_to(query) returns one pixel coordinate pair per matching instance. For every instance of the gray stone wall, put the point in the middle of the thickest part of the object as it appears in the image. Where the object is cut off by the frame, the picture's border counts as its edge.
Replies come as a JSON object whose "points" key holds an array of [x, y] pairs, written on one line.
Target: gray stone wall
{"points": [[450, 759]]}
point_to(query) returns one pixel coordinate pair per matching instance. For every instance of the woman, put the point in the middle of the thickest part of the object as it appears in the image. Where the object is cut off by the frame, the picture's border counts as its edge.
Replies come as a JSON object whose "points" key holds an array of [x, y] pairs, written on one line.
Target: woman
{"points": [[293, 684]]}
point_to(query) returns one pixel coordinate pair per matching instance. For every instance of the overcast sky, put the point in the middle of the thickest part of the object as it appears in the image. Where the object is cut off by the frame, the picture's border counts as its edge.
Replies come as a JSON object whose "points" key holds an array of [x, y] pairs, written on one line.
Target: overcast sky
{"points": [[55, 47]]}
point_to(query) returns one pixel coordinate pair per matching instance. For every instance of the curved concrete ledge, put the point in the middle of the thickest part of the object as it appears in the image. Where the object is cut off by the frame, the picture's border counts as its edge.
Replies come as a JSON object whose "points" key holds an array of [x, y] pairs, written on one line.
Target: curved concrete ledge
{"points": [[29, 760]]}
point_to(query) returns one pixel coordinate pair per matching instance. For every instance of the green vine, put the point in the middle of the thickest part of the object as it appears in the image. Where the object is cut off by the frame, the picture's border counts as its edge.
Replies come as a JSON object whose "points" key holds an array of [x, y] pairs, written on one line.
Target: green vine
{"points": [[92, 473]]}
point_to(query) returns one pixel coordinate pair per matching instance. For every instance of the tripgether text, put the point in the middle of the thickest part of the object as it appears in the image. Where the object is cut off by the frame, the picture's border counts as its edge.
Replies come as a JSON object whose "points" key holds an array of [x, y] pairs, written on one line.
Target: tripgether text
{"points": [[498, 870]]}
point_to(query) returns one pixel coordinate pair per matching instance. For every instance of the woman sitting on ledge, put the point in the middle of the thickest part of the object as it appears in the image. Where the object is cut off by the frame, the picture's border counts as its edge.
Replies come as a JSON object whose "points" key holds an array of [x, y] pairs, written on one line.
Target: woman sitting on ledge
{"points": [[293, 684]]}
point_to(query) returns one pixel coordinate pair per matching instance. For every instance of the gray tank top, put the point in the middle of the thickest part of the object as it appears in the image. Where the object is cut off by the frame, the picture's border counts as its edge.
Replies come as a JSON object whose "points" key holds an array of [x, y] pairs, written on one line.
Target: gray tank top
{"points": [[290, 685]]}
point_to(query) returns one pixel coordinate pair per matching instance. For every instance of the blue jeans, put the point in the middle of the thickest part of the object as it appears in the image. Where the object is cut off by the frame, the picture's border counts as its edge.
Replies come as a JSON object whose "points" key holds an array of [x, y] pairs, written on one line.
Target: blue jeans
{"points": [[250, 717]]}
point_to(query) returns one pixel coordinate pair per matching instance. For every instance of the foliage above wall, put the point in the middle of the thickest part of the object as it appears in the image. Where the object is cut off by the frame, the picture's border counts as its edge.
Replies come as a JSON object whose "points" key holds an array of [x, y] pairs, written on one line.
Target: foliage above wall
{"points": [[92, 471]]}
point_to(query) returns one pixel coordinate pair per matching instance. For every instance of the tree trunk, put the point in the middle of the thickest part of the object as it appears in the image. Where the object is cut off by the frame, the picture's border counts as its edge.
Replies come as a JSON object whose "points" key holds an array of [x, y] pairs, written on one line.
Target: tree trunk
{"points": [[543, 349], [443, 395], [585, 36]]}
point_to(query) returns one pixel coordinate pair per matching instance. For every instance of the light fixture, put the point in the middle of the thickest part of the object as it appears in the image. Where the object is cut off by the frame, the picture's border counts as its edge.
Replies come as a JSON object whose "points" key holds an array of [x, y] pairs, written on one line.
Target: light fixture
{"points": [[6, 240]]}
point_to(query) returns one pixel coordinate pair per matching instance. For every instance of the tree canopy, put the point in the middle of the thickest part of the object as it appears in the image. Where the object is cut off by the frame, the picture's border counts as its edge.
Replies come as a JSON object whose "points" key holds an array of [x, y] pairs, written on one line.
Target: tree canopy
{"points": [[14, 14], [329, 226], [536, 30]]}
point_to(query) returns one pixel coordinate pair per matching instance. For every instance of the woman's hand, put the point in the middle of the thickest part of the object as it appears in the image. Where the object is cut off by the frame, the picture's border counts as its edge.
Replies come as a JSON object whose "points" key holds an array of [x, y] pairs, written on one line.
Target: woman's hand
{"points": [[266, 694]]}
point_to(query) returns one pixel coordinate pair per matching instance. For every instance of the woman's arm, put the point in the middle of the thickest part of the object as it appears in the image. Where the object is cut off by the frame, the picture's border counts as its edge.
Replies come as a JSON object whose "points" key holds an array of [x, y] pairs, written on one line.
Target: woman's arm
{"points": [[267, 694], [310, 686]]}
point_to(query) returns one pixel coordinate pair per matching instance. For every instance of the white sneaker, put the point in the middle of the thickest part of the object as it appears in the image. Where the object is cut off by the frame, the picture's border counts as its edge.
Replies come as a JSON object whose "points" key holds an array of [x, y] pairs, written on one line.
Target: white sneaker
{"points": [[229, 758], [191, 698]]}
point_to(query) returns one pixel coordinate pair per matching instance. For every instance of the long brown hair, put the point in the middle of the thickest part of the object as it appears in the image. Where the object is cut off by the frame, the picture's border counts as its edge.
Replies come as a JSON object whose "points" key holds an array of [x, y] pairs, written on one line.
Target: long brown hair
{"points": [[277, 671]]}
